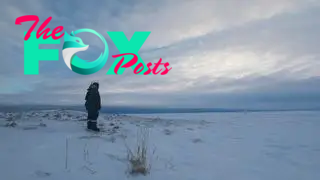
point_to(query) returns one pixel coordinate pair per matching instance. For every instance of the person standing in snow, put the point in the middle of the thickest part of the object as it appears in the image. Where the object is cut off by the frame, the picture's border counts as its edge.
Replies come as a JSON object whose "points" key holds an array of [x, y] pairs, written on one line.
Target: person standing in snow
{"points": [[93, 105]]}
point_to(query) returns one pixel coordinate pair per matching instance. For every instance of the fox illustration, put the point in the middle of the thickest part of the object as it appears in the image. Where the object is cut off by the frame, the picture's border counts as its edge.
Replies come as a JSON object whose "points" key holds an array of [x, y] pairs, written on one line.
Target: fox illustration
{"points": [[72, 45]]}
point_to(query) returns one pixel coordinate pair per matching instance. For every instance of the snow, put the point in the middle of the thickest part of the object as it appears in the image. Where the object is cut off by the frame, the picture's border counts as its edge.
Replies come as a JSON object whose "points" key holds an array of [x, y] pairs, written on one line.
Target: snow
{"points": [[200, 146]]}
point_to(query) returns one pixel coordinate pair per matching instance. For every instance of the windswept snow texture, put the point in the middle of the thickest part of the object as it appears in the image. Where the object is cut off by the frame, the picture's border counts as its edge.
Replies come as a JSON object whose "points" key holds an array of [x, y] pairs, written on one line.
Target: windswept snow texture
{"points": [[206, 146]]}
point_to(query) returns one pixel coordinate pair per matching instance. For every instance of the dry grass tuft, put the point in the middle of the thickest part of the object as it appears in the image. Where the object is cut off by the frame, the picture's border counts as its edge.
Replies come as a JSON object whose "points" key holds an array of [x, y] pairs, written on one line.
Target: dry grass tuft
{"points": [[137, 158]]}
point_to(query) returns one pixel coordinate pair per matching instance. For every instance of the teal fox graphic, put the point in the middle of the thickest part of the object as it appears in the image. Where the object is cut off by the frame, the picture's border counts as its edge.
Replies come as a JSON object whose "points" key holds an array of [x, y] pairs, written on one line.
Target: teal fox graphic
{"points": [[72, 45]]}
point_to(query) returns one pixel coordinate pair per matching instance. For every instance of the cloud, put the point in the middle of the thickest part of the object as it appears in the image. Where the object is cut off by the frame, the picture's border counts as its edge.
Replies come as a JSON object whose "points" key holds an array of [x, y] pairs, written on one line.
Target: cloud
{"points": [[222, 53], [186, 19]]}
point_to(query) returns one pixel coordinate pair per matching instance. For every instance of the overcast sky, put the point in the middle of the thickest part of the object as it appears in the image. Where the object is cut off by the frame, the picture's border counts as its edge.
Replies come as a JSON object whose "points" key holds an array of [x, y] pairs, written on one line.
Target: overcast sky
{"points": [[223, 53]]}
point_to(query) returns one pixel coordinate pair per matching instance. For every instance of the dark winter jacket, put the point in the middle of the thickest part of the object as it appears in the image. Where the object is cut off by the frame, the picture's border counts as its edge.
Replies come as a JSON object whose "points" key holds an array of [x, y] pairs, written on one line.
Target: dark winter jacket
{"points": [[93, 101]]}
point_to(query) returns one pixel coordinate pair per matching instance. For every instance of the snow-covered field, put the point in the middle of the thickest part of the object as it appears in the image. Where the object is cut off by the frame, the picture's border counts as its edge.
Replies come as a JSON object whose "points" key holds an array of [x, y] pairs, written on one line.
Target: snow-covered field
{"points": [[205, 146]]}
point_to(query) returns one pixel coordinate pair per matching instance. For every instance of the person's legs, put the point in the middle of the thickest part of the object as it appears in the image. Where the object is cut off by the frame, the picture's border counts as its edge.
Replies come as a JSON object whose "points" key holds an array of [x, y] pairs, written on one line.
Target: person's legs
{"points": [[92, 120]]}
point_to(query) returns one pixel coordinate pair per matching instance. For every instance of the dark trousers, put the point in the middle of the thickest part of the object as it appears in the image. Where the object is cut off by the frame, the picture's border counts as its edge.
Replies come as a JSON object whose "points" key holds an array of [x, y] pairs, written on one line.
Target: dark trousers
{"points": [[93, 115], [92, 120]]}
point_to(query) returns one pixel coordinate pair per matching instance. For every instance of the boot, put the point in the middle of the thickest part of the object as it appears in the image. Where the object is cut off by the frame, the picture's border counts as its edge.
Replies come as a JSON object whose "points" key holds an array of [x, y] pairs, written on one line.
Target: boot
{"points": [[88, 125], [92, 125]]}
